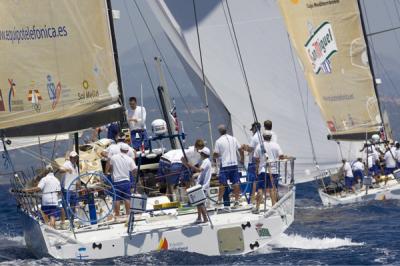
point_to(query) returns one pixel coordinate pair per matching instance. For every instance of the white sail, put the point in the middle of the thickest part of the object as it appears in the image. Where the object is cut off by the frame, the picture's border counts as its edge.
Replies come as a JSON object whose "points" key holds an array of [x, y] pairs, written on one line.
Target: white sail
{"points": [[270, 67]]}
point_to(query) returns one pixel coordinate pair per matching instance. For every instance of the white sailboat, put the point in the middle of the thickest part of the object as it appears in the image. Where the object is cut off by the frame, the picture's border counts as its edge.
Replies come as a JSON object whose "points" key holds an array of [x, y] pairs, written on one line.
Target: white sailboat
{"points": [[79, 51], [330, 42]]}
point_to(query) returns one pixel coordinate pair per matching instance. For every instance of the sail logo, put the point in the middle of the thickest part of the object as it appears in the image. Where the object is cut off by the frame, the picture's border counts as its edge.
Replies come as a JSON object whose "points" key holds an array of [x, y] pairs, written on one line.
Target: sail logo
{"points": [[34, 97], [163, 244], [2, 107], [262, 231], [87, 93], [54, 91], [14, 104], [320, 47]]}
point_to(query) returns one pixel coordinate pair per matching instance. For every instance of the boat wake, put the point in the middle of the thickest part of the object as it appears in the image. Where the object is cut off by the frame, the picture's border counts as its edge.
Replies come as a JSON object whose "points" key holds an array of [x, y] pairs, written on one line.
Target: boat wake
{"points": [[295, 241]]}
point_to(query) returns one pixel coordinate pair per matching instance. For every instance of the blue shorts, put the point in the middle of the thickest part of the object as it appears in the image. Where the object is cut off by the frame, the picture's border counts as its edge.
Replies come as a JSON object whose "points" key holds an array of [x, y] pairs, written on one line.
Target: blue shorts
{"points": [[373, 170], [122, 190], [137, 142], [349, 181], [261, 181], [389, 170], [251, 172], [358, 174], [186, 173], [51, 210], [229, 172]]}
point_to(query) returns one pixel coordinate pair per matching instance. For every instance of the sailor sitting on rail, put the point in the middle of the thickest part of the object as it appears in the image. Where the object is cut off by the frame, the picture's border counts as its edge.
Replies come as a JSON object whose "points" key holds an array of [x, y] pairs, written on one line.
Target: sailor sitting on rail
{"points": [[203, 179], [267, 167], [226, 148], [358, 171], [121, 166], [172, 168], [390, 160], [50, 187], [251, 167], [348, 176]]}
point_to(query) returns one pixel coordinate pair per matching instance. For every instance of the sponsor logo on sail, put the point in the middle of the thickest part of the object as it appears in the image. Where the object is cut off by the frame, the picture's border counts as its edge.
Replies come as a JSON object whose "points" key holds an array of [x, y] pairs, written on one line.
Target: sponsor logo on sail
{"points": [[87, 93], [14, 104], [262, 231], [320, 47], [163, 244], [54, 91], [34, 97]]}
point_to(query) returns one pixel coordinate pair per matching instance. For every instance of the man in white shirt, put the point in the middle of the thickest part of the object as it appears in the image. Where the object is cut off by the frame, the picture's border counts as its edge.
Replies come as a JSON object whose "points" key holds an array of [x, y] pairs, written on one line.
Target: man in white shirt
{"points": [[69, 182], [372, 157], [256, 139], [267, 156], [358, 170], [121, 167], [397, 154], [50, 187], [203, 179], [390, 160], [348, 176], [268, 127], [136, 117], [226, 149]]}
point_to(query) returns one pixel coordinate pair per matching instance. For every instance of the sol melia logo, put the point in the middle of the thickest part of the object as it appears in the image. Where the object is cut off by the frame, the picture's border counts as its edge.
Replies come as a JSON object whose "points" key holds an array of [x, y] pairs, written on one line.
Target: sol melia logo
{"points": [[320, 46]]}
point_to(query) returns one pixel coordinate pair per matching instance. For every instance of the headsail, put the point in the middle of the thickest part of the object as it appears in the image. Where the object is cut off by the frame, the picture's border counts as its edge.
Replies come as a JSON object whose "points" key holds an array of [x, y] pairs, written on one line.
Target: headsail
{"points": [[57, 66], [329, 41]]}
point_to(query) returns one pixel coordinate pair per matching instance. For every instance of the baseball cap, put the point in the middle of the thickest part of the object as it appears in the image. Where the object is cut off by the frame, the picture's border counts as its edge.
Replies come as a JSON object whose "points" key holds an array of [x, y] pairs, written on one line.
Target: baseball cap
{"points": [[255, 124], [73, 154], [124, 147], [205, 151]]}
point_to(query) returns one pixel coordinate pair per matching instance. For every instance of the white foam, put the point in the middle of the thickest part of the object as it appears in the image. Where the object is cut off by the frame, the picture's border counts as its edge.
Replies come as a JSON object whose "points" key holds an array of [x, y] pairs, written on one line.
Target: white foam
{"points": [[299, 242], [6, 239]]}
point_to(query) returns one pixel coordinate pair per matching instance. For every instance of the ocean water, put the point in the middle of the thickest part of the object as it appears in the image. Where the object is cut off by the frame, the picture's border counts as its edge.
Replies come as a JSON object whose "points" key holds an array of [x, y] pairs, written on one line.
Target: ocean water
{"points": [[355, 234]]}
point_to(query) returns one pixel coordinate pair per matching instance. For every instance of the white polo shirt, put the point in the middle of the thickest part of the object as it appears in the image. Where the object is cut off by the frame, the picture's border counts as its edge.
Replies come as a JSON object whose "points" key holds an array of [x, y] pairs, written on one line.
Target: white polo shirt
{"points": [[116, 149], [272, 152], [390, 158], [227, 147], [175, 156], [50, 187], [254, 142], [140, 115], [192, 155], [357, 165], [347, 169], [205, 174], [122, 164], [397, 155], [69, 177]]}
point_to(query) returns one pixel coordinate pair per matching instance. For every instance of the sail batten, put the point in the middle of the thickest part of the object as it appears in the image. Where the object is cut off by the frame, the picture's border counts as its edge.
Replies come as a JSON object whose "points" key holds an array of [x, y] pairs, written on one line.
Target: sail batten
{"points": [[56, 66], [330, 43]]}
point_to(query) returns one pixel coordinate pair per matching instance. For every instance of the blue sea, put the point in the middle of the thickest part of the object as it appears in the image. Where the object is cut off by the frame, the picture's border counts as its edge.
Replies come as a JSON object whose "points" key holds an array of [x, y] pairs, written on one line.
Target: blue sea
{"points": [[352, 235]]}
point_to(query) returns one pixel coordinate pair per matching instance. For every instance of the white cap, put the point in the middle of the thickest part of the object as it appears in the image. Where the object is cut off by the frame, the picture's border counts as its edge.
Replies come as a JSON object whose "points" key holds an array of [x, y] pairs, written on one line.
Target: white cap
{"points": [[267, 133], [73, 154], [124, 147], [205, 151]]}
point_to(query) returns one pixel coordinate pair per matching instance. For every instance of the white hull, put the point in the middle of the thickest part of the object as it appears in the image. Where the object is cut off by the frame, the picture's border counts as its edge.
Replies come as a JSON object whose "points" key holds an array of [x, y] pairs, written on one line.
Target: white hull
{"points": [[389, 191], [229, 236]]}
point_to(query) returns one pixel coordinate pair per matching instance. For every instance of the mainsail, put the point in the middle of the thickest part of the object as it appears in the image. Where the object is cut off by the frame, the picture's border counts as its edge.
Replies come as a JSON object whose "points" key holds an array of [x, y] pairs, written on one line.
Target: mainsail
{"points": [[58, 72], [330, 44], [266, 50]]}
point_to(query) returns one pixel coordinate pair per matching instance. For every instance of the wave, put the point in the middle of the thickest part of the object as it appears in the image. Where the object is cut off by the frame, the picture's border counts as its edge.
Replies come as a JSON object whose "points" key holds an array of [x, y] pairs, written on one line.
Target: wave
{"points": [[295, 241]]}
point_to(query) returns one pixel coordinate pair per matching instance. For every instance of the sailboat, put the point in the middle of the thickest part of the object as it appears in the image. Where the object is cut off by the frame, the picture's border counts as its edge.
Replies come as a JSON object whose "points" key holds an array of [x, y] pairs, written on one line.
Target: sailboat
{"points": [[330, 42], [78, 51]]}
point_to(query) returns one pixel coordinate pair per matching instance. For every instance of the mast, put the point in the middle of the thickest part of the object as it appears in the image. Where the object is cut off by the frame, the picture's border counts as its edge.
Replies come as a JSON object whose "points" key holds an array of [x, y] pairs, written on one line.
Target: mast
{"points": [[123, 121], [370, 61]]}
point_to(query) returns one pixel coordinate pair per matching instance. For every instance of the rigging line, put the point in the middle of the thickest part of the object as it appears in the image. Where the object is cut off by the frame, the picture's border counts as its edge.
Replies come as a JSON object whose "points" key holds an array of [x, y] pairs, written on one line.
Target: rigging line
{"points": [[241, 61], [163, 57], [54, 147], [142, 55], [382, 31], [302, 104], [392, 23], [203, 76]]}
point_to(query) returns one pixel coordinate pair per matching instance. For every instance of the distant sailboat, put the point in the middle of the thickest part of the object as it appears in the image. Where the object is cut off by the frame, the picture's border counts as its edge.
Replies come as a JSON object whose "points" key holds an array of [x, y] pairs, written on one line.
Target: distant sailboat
{"points": [[330, 43]]}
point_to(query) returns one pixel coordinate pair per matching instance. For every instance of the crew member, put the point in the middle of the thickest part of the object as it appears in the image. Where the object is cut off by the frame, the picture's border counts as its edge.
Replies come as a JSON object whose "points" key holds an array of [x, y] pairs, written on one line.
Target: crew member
{"points": [[194, 158], [397, 154], [50, 187], [203, 179], [390, 160], [256, 139], [266, 156], [226, 148], [358, 170], [348, 176], [137, 124], [121, 166]]}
